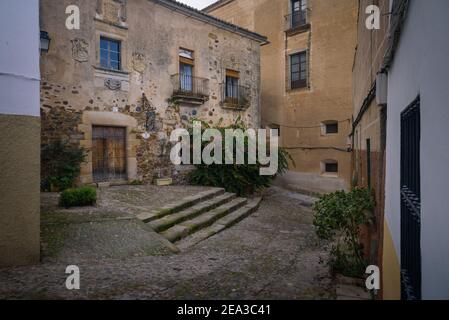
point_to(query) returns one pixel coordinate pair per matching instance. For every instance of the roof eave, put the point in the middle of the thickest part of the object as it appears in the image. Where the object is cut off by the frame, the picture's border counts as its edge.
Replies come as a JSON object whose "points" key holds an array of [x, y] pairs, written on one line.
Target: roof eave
{"points": [[199, 15]]}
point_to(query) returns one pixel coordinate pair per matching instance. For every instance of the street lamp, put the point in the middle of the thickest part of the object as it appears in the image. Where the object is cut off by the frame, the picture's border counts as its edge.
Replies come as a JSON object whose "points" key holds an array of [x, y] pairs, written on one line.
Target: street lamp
{"points": [[45, 41]]}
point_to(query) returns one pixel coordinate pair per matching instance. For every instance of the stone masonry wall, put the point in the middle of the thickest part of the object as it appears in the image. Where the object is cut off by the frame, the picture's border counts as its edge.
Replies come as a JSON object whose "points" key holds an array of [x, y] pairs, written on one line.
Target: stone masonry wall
{"points": [[77, 93]]}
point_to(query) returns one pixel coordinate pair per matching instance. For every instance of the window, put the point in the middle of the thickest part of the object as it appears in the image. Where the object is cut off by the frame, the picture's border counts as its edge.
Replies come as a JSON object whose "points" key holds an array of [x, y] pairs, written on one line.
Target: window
{"points": [[299, 13], [298, 70], [188, 54], [232, 84], [186, 64], [110, 54], [368, 161], [331, 167], [331, 127]]}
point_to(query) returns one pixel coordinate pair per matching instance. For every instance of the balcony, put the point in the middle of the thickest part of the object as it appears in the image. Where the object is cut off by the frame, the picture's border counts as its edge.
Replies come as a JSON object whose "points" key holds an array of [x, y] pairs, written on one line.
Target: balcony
{"points": [[190, 90], [297, 22], [235, 97]]}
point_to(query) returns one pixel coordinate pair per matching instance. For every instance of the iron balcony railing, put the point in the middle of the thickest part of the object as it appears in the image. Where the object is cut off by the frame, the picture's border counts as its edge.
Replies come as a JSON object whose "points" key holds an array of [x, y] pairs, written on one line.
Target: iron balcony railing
{"points": [[189, 86], [236, 96], [296, 20]]}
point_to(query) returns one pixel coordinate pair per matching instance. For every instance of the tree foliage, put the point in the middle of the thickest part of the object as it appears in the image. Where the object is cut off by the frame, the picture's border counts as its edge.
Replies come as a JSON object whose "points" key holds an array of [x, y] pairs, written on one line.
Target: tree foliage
{"points": [[61, 164], [242, 179], [338, 216]]}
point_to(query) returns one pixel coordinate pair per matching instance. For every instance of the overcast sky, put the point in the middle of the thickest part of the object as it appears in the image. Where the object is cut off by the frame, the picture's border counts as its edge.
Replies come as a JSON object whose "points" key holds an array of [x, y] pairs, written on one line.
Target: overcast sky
{"points": [[199, 4]]}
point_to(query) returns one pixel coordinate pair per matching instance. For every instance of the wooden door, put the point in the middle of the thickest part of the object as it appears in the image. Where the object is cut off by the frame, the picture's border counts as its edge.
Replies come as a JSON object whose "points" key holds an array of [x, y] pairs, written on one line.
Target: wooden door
{"points": [[108, 153]]}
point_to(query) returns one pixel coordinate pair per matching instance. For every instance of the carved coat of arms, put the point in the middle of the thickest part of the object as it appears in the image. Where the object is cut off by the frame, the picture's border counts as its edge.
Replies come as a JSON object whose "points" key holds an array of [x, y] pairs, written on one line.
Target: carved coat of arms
{"points": [[113, 84], [139, 64], [80, 50]]}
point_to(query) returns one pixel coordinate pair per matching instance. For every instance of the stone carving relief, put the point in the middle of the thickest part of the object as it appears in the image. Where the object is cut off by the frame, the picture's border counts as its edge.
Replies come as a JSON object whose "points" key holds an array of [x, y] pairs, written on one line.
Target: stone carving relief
{"points": [[113, 84], [100, 7], [138, 61], [112, 11], [80, 50]]}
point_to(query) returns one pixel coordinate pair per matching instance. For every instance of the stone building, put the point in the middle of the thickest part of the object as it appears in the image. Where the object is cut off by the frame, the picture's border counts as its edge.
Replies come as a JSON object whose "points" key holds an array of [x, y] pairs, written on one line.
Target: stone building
{"points": [[306, 82], [19, 132], [133, 72], [369, 126]]}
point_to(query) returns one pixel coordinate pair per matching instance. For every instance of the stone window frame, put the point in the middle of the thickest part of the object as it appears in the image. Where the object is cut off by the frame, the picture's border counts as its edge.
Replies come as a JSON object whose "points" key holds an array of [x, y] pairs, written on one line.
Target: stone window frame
{"points": [[100, 33], [324, 173], [324, 129]]}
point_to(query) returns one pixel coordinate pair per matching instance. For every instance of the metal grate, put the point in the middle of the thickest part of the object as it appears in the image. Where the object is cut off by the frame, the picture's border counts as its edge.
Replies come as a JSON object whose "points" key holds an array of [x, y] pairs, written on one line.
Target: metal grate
{"points": [[187, 85], [108, 153], [411, 202], [234, 95]]}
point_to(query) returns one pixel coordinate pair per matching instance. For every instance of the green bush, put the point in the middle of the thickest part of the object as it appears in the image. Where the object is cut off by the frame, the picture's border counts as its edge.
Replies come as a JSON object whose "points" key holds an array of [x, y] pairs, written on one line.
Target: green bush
{"points": [[85, 196], [242, 179], [338, 216], [61, 163]]}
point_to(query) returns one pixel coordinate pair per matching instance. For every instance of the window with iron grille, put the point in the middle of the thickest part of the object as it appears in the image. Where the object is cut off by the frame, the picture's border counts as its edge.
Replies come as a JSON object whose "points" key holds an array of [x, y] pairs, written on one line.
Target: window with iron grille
{"points": [[232, 84], [186, 65], [110, 54], [298, 70], [410, 187]]}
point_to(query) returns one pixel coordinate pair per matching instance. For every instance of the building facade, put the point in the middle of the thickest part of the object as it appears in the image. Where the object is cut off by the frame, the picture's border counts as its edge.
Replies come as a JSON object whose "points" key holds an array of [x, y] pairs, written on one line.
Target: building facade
{"points": [[399, 133], [134, 71], [306, 82], [369, 121], [19, 133], [417, 152]]}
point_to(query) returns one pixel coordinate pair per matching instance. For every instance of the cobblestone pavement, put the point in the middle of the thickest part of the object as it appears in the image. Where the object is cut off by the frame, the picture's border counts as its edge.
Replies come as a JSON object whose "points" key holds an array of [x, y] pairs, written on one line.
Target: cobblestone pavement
{"points": [[273, 254]]}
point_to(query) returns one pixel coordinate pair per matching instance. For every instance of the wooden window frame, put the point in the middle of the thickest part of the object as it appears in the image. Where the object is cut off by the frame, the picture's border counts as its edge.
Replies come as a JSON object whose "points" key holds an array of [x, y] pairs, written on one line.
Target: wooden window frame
{"points": [[108, 50], [235, 76], [300, 83]]}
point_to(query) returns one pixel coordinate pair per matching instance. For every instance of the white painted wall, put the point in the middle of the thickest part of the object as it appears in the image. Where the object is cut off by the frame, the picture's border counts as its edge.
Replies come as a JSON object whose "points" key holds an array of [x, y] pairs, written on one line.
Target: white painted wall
{"points": [[19, 57], [421, 66]]}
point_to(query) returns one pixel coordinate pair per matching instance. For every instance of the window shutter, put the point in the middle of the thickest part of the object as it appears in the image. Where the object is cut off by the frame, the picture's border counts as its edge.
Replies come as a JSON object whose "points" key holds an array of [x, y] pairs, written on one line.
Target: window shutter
{"points": [[186, 61], [232, 73]]}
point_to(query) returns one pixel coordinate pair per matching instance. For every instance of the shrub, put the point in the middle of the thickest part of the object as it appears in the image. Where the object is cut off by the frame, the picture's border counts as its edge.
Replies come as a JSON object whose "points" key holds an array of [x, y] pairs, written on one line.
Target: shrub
{"points": [[242, 179], [61, 163], [85, 196], [338, 216]]}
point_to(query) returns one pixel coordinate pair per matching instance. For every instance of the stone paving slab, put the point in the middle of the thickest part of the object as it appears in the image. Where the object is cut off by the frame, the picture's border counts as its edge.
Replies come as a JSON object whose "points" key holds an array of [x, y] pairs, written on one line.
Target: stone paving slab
{"points": [[220, 225], [179, 205], [272, 254], [352, 292], [170, 220]]}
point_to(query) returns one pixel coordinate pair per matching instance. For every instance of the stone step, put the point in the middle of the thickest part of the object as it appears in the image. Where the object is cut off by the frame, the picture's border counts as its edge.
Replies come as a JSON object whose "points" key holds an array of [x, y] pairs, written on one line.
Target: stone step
{"points": [[187, 227], [170, 220], [180, 205], [219, 225]]}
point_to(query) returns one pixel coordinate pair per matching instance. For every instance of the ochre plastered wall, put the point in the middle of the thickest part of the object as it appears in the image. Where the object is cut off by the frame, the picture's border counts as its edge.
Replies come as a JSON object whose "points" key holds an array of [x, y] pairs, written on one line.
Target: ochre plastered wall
{"points": [[371, 124], [391, 273], [19, 185], [331, 43]]}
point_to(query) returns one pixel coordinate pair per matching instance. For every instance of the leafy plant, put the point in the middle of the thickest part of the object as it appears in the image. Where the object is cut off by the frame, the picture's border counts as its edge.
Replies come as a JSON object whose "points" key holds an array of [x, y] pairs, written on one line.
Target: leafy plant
{"points": [[85, 196], [61, 163], [242, 179], [338, 216]]}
